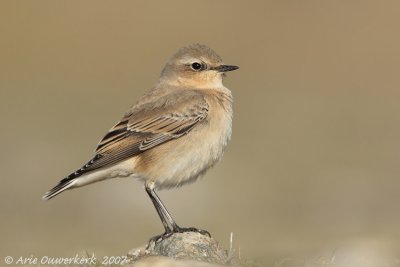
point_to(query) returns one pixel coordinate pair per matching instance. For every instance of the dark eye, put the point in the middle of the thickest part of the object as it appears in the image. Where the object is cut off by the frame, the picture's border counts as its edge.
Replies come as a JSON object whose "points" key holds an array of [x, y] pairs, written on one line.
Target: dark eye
{"points": [[196, 66]]}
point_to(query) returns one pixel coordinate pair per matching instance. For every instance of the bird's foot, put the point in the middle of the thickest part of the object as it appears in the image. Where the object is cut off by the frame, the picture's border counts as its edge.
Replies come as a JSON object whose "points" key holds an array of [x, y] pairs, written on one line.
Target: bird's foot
{"points": [[161, 237], [191, 229], [177, 229]]}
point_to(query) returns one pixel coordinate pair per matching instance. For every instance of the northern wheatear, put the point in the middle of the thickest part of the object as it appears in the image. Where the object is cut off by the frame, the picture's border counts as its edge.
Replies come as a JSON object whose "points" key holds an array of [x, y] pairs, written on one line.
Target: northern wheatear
{"points": [[171, 136]]}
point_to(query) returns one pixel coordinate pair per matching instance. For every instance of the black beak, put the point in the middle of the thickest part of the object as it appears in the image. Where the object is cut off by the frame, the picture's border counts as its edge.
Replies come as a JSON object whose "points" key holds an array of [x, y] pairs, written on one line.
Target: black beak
{"points": [[225, 68]]}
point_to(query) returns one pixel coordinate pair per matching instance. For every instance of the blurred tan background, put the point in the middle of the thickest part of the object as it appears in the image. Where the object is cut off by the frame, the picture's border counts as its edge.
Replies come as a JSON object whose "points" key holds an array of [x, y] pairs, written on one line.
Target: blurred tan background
{"points": [[314, 159]]}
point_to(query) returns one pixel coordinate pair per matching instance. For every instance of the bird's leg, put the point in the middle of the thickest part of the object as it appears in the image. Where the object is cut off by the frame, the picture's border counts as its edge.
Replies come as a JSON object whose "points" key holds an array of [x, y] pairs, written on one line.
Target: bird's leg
{"points": [[162, 217], [162, 213], [167, 219]]}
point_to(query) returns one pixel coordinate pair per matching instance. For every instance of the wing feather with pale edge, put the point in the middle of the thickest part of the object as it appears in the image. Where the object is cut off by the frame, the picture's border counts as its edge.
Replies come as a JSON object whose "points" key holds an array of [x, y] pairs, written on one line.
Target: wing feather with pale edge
{"points": [[146, 127]]}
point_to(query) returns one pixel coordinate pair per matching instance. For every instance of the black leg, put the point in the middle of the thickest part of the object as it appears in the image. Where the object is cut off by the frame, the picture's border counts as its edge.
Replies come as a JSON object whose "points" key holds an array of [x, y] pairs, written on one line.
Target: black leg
{"points": [[168, 222], [163, 213], [158, 203], [160, 213]]}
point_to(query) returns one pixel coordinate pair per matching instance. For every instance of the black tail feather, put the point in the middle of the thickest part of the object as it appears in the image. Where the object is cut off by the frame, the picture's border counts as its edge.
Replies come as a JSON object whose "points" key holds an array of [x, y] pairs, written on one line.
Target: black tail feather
{"points": [[62, 186]]}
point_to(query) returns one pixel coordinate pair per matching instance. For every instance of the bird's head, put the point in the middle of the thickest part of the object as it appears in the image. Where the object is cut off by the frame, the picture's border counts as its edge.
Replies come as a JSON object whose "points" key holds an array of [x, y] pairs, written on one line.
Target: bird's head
{"points": [[196, 66]]}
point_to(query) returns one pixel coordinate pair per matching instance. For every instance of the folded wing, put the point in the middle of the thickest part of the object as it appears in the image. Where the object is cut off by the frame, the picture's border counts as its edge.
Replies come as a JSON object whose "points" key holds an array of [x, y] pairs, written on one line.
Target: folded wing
{"points": [[146, 127]]}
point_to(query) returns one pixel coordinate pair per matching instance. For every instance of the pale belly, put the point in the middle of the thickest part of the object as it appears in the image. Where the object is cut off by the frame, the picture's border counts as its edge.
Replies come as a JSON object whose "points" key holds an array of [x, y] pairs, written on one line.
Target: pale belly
{"points": [[183, 160]]}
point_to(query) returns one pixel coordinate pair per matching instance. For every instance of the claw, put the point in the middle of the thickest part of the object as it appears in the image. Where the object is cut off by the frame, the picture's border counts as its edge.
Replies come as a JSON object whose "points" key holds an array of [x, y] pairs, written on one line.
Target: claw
{"points": [[192, 229], [158, 238], [177, 229]]}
